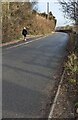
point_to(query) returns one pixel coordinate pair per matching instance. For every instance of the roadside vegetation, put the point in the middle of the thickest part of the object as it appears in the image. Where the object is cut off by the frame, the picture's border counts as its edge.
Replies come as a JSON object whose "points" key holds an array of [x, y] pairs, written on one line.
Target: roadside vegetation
{"points": [[67, 102], [16, 15], [71, 76], [70, 10]]}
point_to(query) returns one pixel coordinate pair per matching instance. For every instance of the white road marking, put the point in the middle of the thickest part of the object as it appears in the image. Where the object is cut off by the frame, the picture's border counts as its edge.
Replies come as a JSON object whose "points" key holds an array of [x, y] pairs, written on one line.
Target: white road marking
{"points": [[55, 99], [25, 43]]}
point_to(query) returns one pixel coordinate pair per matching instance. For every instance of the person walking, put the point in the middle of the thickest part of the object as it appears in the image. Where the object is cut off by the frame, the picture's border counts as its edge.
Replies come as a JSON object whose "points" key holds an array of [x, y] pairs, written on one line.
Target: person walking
{"points": [[24, 33]]}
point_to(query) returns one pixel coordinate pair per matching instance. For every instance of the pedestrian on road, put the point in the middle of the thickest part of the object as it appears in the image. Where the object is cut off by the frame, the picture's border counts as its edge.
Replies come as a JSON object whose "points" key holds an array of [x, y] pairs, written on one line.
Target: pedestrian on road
{"points": [[24, 33]]}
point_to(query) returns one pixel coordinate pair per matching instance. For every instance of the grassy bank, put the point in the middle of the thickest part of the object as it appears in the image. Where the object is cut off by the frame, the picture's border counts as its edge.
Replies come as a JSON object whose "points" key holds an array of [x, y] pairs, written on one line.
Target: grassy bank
{"points": [[16, 15], [71, 67]]}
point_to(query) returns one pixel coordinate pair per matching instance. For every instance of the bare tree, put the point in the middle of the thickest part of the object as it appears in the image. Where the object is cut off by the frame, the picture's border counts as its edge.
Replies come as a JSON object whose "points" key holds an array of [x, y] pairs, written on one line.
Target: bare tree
{"points": [[70, 8]]}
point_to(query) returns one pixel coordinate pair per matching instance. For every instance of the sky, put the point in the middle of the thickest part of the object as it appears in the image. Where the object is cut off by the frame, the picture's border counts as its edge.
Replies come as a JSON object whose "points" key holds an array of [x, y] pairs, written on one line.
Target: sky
{"points": [[56, 10]]}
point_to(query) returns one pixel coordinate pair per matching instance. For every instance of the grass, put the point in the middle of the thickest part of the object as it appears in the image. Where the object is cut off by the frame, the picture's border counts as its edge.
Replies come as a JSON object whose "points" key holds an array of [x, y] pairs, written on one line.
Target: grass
{"points": [[71, 67]]}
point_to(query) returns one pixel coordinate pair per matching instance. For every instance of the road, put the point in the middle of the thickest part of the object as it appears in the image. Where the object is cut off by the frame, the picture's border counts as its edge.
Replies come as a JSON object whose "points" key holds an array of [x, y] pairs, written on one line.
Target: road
{"points": [[28, 75]]}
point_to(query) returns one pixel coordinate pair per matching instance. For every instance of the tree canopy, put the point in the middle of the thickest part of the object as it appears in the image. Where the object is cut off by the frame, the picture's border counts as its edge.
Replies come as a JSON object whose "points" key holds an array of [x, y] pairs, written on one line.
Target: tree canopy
{"points": [[70, 8]]}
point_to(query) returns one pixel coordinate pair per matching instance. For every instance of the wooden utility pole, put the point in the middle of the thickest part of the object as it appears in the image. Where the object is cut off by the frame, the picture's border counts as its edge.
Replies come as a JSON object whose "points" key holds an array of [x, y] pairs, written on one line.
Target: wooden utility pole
{"points": [[47, 7]]}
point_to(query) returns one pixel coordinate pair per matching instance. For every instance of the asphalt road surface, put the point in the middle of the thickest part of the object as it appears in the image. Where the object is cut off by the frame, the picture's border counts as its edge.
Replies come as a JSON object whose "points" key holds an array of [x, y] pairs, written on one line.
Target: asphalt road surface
{"points": [[28, 75]]}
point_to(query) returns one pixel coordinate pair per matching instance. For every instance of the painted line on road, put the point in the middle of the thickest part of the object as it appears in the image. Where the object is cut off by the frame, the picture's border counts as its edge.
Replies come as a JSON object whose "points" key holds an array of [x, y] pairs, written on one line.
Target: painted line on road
{"points": [[25, 43], [55, 99]]}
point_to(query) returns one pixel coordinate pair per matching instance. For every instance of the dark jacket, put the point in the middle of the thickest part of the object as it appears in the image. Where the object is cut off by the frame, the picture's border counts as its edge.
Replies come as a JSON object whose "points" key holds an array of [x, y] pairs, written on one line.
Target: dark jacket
{"points": [[24, 32]]}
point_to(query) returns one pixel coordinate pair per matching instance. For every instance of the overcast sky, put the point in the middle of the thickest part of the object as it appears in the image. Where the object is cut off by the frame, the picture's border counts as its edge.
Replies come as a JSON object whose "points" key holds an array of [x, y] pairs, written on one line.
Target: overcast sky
{"points": [[56, 10]]}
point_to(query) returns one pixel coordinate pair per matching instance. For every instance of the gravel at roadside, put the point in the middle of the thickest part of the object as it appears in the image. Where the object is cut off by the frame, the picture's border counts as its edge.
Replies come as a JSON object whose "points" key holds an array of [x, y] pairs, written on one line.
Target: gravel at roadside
{"points": [[64, 107]]}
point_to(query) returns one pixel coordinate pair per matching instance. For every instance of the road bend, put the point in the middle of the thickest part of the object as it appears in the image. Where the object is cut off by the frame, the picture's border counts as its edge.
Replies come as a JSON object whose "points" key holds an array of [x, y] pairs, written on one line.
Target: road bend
{"points": [[28, 75]]}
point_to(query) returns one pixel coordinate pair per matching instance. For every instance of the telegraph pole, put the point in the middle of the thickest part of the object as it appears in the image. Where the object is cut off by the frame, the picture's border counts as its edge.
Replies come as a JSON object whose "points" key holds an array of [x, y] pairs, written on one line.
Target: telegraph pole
{"points": [[47, 7]]}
